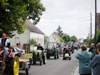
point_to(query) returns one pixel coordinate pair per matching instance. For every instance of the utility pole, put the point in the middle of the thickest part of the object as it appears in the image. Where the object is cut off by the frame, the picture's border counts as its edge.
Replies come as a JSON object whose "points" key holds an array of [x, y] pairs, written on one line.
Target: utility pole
{"points": [[90, 25], [95, 22]]}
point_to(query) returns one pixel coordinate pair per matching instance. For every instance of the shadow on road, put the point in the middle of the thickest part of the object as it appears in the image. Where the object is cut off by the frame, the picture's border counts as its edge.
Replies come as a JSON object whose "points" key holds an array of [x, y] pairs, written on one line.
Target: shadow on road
{"points": [[22, 74]]}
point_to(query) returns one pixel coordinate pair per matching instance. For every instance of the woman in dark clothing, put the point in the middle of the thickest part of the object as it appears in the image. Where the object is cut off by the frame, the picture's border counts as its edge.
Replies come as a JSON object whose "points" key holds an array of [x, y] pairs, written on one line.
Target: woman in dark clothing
{"points": [[95, 63]]}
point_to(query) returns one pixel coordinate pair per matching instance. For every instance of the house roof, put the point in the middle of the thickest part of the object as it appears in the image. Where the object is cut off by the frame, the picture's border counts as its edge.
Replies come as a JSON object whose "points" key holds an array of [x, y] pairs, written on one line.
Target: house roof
{"points": [[56, 34], [32, 27]]}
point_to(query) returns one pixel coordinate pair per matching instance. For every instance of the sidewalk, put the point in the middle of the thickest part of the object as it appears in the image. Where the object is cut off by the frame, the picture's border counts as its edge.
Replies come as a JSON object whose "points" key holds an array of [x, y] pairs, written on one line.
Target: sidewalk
{"points": [[76, 72]]}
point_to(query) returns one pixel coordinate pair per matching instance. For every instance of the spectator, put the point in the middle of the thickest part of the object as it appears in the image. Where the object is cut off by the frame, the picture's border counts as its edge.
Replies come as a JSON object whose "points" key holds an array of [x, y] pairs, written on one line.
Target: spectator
{"points": [[93, 50], [95, 63], [84, 61], [19, 48], [18, 45], [5, 43]]}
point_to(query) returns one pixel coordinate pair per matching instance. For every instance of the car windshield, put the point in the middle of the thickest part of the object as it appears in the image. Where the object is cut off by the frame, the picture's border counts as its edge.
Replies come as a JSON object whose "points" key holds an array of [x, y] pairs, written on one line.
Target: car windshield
{"points": [[17, 50]]}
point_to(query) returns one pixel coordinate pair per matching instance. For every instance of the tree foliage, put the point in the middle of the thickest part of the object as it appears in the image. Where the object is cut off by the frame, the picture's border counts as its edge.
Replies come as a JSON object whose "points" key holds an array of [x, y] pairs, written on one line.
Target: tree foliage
{"points": [[61, 40], [46, 40], [59, 31], [66, 38], [97, 39], [13, 14], [73, 38], [90, 41], [33, 42]]}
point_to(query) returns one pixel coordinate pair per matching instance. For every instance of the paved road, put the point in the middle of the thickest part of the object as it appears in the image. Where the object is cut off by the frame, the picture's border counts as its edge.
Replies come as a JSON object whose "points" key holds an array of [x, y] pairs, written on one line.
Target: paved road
{"points": [[55, 67]]}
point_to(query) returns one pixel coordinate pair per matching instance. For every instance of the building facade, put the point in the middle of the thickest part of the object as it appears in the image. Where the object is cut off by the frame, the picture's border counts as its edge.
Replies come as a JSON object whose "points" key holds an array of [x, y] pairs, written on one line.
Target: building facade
{"points": [[32, 32], [54, 37]]}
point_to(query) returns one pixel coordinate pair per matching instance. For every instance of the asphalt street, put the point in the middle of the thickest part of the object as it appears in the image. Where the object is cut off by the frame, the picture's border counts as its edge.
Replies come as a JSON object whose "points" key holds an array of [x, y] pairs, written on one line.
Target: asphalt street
{"points": [[55, 67]]}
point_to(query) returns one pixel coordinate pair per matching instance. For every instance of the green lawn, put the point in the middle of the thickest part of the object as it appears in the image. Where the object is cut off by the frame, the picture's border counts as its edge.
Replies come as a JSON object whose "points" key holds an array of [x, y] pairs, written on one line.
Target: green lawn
{"points": [[26, 56]]}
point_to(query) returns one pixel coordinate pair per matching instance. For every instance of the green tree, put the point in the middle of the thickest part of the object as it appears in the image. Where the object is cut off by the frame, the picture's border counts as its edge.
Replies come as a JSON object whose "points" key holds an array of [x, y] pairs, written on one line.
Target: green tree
{"points": [[33, 42], [59, 31], [61, 40], [98, 37], [66, 38], [13, 14], [73, 38], [90, 41], [46, 40]]}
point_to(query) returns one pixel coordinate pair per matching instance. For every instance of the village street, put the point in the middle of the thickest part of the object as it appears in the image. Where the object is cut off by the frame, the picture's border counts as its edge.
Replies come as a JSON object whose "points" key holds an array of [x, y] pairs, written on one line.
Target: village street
{"points": [[49, 37], [55, 67]]}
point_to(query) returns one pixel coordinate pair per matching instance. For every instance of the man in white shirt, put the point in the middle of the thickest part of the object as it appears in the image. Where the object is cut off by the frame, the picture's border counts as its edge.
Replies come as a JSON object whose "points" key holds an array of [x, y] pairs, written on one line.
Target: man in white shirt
{"points": [[5, 43]]}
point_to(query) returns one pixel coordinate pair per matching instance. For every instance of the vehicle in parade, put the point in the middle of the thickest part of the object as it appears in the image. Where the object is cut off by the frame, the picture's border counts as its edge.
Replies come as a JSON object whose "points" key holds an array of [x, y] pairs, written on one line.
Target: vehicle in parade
{"points": [[71, 48], [38, 56], [24, 64], [52, 50], [76, 46], [13, 63], [66, 53], [9, 64]]}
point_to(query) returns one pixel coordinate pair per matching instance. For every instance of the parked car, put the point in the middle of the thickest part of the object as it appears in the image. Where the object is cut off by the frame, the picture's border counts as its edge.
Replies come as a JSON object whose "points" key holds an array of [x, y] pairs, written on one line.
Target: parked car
{"points": [[19, 50]]}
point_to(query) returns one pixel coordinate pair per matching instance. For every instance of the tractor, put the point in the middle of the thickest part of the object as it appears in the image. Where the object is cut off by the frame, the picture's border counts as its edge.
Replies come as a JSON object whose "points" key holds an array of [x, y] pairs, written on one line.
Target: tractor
{"points": [[9, 64], [52, 50]]}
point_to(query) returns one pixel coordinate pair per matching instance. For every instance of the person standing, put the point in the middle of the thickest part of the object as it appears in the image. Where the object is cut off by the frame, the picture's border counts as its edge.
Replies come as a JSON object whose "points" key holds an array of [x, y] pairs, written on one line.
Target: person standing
{"points": [[84, 61], [18, 45], [93, 50], [5, 43], [95, 62]]}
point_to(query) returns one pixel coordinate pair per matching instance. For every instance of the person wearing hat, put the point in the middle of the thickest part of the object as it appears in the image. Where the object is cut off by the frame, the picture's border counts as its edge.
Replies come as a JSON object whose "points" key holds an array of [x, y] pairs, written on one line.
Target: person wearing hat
{"points": [[5, 43]]}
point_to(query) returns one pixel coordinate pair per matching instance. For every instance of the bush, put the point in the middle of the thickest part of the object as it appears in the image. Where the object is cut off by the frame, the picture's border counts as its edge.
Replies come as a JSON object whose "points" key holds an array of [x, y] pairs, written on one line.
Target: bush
{"points": [[98, 37], [33, 42]]}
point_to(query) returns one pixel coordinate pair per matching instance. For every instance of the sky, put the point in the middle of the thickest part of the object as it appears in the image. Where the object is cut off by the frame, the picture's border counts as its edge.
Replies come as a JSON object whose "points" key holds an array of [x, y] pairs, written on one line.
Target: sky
{"points": [[72, 15]]}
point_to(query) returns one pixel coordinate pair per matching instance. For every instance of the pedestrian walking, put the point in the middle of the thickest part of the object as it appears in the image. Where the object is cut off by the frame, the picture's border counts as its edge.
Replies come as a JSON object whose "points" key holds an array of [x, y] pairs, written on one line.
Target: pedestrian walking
{"points": [[84, 61], [95, 63]]}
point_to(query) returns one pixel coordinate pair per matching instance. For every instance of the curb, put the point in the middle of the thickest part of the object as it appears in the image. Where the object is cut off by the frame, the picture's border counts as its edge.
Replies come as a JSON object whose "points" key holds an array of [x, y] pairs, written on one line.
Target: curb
{"points": [[76, 71]]}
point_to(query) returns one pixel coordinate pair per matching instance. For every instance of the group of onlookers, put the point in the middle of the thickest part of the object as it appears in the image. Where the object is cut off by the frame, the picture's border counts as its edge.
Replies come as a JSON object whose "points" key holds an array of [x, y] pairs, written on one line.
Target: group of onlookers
{"points": [[89, 60]]}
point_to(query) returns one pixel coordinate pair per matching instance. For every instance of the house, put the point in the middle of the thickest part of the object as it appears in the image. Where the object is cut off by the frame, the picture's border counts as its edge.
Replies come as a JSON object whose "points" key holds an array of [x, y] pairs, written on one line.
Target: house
{"points": [[31, 32], [54, 37], [54, 40]]}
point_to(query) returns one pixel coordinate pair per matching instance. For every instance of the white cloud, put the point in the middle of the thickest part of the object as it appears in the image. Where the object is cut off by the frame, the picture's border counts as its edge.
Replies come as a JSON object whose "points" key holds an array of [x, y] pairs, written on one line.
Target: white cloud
{"points": [[72, 15]]}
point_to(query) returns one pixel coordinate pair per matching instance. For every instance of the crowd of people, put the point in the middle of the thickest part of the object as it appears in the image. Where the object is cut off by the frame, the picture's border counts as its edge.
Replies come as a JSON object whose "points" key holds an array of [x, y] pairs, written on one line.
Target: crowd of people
{"points": [[89, 60]]}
